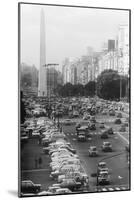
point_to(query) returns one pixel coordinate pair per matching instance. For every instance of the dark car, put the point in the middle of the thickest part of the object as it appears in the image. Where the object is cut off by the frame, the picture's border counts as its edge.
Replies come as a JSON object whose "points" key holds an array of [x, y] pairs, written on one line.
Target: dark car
{"points": [[118, 121], [110, 130], [29, 187], [104, 135], [92, 126]]}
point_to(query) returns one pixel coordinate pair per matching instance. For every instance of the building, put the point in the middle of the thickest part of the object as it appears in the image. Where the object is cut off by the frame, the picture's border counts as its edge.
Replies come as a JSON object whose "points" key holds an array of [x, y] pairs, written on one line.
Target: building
{"points": [[123, 49], [116, 55], [42, 86]]}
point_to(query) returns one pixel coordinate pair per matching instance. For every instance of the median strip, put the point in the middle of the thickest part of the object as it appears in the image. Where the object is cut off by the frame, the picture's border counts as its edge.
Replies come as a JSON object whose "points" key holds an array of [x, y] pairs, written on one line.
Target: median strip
{"points": [[35, 170]]}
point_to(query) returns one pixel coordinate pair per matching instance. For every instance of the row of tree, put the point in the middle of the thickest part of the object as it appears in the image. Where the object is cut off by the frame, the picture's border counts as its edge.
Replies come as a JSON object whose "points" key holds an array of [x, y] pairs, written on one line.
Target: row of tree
{"points": [[109, 85]]}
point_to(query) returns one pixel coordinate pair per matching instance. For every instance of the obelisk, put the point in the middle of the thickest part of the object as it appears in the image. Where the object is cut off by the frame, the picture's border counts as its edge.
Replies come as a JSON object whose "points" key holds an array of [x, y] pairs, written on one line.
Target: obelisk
{"points": [[42, 86]]}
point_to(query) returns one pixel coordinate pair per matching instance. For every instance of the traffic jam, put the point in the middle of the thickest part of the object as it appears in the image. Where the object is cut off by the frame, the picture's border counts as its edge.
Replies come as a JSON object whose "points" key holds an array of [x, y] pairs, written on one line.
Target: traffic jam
{"points": [[74, 145]]}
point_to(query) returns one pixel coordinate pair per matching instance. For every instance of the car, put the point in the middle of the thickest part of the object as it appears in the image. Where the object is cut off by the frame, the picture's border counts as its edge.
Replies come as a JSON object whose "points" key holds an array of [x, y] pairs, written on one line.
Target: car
{"points": [[92, 119], [104, 135], [53, 189], [24, 137], [93, 151], [107, 147], [92, 126], [75, 114], [63, 191], [68, 148], [117, 121], [102, 125], [86, 117], [45, 193], [67, 122], [70, 184], [104, 112], [101, 165], [103, 178], [27, 186], [110, 130], [112, 113], [119, 115], [122, 128], [78, 125]]}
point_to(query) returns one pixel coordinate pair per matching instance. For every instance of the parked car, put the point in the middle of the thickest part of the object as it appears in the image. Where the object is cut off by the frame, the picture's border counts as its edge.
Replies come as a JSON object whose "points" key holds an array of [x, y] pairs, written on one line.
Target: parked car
{"points": [[45, 193], [67, 122], [92, 126], [28, 186], [63, 191], [70, 184], [53, 189], [93, 151]]}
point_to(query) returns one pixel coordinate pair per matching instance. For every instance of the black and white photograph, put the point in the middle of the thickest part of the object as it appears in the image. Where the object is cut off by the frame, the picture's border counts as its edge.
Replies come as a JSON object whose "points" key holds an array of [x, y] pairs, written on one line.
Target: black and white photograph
{"points": [[74, 99]]}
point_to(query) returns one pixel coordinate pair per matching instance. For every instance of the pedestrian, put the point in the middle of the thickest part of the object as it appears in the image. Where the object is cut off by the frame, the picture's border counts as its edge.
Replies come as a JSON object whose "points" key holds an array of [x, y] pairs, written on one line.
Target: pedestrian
{"points": [[36, 163], [40, 161]]}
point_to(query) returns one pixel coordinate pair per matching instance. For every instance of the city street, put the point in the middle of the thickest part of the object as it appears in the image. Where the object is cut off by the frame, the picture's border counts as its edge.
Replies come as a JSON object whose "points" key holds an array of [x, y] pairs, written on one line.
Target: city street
{"points": [[74, 101], [118, 165]]}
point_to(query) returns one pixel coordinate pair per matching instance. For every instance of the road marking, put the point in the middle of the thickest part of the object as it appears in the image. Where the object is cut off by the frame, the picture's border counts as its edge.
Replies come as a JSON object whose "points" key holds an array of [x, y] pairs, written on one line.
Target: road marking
{"points": [[120, 177], [122, 137], [35, 170]]}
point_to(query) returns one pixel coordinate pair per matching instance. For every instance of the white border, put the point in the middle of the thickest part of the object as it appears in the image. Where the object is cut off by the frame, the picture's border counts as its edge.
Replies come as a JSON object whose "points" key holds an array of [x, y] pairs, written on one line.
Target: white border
{"points": [[9, 97]]}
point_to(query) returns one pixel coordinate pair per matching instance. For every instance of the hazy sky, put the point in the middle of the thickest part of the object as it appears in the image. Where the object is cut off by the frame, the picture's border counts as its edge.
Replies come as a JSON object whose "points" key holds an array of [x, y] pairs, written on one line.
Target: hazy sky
{"points": [[69, 31]]}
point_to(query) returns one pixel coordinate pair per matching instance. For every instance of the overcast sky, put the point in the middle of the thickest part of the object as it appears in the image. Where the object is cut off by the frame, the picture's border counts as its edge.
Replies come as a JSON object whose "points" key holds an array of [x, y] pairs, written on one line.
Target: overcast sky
{"points": [[69, 31]]}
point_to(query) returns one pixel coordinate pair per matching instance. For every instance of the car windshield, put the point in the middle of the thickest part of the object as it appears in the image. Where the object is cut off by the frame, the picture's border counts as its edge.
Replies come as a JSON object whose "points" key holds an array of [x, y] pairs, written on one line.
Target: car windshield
{"points": [[93, 148]]}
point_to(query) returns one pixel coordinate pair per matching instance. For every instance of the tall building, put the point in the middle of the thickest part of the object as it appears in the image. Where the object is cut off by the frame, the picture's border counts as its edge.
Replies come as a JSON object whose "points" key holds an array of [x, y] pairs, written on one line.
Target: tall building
{"points": [[123, 49], [42, 87]]}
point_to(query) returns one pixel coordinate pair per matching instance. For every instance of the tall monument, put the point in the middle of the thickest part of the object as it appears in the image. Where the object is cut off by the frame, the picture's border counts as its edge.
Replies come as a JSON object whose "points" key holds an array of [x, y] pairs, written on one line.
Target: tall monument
{"points": [[42, 86]]}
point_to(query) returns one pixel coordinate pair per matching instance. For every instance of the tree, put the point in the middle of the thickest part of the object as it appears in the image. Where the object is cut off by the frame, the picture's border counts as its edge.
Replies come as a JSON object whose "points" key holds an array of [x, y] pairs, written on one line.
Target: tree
{"points": [[26, 79], [22, 109], [108, 85], [90, 88]]}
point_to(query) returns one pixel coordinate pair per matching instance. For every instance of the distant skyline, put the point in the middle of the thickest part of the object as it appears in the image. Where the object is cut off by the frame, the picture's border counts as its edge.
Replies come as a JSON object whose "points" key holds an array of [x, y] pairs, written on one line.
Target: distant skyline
{"points": [[69, 31]]}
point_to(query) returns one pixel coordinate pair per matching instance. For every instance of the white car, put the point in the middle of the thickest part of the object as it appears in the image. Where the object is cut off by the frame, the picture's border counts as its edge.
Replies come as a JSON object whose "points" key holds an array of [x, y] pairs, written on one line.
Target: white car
{"points": [[63, 191]]}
